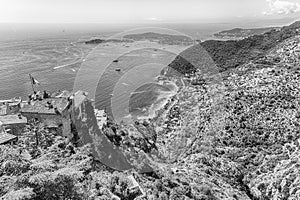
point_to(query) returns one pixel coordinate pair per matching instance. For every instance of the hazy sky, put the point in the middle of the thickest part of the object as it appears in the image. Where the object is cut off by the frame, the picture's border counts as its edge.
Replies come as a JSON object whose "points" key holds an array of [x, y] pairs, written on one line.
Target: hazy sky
{"points": [[131, 11]]}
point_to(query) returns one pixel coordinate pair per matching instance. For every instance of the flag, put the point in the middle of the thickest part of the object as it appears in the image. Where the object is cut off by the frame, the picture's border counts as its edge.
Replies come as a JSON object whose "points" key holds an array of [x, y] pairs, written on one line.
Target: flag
{"points": [[34, 81]]}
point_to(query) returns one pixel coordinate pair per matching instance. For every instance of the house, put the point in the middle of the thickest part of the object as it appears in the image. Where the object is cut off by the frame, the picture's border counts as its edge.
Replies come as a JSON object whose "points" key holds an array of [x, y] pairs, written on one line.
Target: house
{"points": [[14, 124], [101, 117], [11, 106], [6, 138], [134, 187], [52, 112]]}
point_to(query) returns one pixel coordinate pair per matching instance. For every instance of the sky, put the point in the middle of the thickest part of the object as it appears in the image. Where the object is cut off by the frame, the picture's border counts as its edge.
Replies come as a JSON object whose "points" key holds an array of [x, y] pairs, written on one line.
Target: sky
{"points": [[137, 11]]}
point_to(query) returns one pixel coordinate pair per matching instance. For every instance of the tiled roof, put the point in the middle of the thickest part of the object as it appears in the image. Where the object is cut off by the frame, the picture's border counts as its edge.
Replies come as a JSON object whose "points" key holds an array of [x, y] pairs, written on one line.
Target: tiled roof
{"points": [[43, 106], [14, 103], [10, 101], [12, 119], [6, 137], [64, 94]]}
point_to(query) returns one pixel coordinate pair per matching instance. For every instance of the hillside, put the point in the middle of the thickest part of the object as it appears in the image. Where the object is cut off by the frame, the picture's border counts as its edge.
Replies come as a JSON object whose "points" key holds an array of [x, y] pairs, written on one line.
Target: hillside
{"points": [[150, 36], [239, 33], [230, 54], [241, 142], [234, 139], [238, 139], [160, 37]]}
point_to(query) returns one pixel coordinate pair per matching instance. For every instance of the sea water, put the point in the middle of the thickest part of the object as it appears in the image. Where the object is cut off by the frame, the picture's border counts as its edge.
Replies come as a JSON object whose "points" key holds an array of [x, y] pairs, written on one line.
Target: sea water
{"points": [[53, 54]]}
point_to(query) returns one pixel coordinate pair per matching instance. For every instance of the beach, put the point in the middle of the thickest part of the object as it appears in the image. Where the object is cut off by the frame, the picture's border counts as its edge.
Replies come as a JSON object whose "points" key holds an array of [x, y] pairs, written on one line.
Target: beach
{"points": [[162, 99]]}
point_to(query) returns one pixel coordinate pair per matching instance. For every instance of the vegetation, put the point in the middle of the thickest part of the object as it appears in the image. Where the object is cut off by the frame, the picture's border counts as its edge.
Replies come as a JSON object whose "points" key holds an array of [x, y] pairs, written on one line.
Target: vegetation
{"points": [[235, 139], [232, 53], [239, 33], [161, 38]]}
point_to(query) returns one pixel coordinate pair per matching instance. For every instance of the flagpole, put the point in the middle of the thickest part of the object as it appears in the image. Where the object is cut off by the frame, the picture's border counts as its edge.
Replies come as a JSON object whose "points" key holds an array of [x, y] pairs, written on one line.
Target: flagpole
{"points": [[31, 82]]}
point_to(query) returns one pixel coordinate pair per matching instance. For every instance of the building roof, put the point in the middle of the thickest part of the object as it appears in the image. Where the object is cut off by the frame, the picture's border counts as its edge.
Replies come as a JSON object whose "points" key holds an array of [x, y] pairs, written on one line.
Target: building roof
{"points": [[12, 119], [6, 137], [14, 104], [46, 106], [11, 101], [64, 94]]}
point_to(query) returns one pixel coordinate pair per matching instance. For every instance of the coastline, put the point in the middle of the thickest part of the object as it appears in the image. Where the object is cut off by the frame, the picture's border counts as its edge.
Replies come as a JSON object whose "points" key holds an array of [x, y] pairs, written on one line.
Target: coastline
{"points": [[163, 100]]}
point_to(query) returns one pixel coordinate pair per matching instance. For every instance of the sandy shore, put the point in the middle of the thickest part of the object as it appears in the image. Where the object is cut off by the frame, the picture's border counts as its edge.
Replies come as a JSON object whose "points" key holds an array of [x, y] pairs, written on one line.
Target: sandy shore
{"points": [[162, 100]]}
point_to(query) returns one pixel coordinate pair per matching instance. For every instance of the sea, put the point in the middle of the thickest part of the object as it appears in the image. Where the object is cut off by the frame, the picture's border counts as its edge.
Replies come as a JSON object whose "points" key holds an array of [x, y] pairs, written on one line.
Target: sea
{"points": [[54, 53]]}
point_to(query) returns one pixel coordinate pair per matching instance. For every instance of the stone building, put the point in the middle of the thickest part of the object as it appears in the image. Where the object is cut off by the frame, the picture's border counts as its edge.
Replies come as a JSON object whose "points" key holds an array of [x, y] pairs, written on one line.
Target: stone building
{"points": [[11, 106], [52, 112], [13, 124], [6, 138]]}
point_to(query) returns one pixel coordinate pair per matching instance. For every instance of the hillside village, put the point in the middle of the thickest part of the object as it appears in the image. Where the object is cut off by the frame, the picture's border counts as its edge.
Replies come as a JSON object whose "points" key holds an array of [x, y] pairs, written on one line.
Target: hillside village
{"points": [[53, 112], [238, 139]]}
